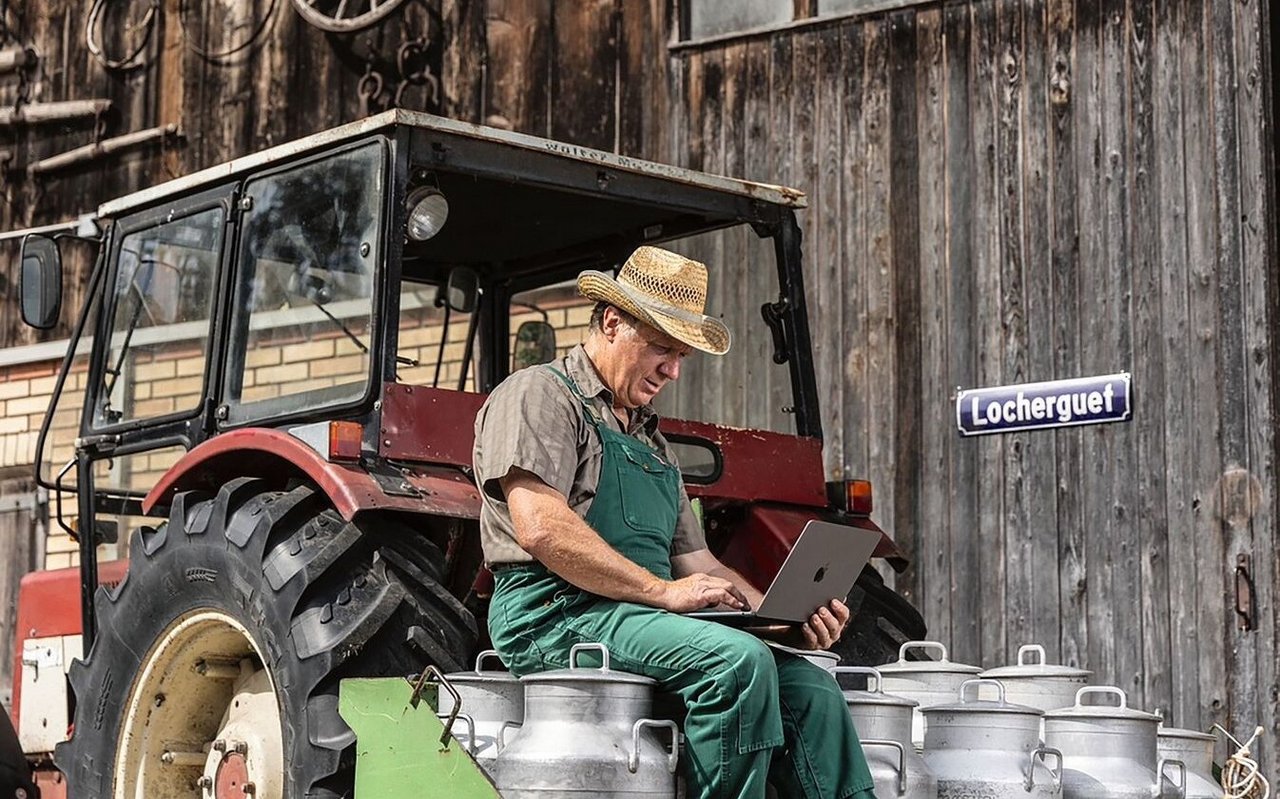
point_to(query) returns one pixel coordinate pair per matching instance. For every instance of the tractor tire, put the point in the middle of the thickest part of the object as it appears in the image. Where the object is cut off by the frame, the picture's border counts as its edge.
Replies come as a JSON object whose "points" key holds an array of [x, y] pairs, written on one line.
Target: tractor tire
{"points": [[882, 620], [217, 660]]}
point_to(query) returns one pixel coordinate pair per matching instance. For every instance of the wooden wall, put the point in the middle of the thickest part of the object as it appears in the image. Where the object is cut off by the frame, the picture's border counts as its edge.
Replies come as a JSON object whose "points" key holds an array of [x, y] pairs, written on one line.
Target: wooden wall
{"points": [[1001, 191]]}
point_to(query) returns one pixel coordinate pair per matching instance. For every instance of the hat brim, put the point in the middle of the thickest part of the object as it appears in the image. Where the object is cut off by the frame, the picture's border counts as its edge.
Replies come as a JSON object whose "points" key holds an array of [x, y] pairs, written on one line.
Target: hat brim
{"points": [[699, 331]]}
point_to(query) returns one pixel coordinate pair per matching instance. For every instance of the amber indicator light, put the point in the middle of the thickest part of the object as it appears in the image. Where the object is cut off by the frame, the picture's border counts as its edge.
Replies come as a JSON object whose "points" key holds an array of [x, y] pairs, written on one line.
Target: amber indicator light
{"points": [[344, 441], [858, 496]]}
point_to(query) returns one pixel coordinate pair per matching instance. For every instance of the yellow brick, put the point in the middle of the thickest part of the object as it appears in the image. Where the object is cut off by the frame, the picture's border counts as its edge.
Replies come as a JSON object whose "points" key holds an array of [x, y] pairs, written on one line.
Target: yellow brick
{"points": [[287, 373], [153, 371], [22, 407], [14, 389], [60, 543], [419, 336], [190, 366], [310, 351], [154, 407], [143, 391], [43, 385], [13, 424], [177, 386], [260, 392], [60, 561], [347, 365], [580, 315], [267, 356]]}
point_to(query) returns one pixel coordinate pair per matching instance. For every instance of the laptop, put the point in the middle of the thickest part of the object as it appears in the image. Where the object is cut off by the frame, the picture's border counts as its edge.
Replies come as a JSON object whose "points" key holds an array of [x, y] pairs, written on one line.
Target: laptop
{"points": [[823, 565]]}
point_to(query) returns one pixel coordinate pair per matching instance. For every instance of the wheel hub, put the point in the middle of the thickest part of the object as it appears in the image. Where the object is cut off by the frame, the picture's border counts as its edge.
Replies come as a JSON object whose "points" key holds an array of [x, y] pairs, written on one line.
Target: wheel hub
{"points": [[202, 719]]}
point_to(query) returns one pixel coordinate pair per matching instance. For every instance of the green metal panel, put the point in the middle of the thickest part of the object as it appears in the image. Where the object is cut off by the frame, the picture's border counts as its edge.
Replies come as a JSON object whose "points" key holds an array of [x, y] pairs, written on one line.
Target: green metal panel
{"points": [[398, 750]]}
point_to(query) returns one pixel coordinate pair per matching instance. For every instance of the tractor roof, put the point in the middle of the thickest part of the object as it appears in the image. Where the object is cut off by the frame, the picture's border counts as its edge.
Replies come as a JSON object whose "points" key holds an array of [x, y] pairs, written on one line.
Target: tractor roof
{"points": [[515, 143]]}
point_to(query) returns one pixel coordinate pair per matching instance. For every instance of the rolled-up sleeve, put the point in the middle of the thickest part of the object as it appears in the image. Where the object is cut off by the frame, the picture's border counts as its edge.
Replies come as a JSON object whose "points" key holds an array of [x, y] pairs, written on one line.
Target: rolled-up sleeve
{"points": [[689, 535], [527, 423]]}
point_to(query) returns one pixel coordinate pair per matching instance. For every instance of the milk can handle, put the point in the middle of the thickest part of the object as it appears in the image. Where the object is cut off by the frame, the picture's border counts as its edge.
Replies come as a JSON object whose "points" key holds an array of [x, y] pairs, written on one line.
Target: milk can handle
{"points": [[1040, 752], [471, 731], [902, 760], [977, 691], [502, 734], [489, 653], [633, 759], [601, 648], [1102, 689], [433, 672], [1181, 784], [909, 645], [1022, 650], [870, 673]]}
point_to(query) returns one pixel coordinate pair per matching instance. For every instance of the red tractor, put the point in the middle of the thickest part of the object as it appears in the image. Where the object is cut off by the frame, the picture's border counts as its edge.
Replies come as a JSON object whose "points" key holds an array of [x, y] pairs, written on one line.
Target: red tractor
{"points": [[271, 393]]}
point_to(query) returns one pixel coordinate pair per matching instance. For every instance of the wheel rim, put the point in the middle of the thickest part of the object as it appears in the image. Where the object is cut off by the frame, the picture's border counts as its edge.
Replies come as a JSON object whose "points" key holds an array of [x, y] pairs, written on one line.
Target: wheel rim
{"points": [[345, 16], [202, 719]]}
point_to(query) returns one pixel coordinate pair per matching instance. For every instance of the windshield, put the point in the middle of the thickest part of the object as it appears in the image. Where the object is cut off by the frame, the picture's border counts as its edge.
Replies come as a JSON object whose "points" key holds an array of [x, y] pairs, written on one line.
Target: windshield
{"points": [[304, 293]]}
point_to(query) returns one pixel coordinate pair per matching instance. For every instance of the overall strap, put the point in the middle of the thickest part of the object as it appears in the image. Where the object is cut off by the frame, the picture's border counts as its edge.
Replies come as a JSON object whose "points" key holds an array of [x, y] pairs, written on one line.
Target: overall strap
{"points": [[593, 415]]}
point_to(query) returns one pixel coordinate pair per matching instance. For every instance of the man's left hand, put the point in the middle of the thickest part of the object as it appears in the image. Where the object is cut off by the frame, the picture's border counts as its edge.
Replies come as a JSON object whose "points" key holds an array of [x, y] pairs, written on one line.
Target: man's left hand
{"points": [[824, 627]]}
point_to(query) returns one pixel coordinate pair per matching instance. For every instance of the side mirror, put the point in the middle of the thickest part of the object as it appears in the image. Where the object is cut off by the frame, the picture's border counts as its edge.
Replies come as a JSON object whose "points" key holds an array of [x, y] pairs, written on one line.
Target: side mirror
{"points": [[535, 344], [461, 290], [41, 280]]}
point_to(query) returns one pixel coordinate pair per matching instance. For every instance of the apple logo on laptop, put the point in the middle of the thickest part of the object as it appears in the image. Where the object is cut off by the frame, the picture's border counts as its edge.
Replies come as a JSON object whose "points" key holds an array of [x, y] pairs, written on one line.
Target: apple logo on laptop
{"points": [[819, 574]]}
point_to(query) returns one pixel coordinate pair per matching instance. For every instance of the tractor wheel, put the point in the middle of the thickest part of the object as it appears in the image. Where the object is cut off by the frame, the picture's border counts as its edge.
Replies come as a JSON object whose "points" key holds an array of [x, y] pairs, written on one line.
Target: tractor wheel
{"points": [[215, 670], [882, 621]]}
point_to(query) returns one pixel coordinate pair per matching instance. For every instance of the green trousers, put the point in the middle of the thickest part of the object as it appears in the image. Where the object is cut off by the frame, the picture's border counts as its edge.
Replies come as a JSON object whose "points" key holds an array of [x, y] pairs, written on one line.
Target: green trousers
{"points": [[756, 714]]}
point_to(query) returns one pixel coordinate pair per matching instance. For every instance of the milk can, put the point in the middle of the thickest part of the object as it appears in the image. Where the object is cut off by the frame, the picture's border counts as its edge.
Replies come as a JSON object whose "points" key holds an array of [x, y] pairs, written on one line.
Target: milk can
{"points": [[1109, 751], [490, 702], [1195, 750], [1037, 683], [927, 682], [883, 723], [587, 732], [989, 749]]}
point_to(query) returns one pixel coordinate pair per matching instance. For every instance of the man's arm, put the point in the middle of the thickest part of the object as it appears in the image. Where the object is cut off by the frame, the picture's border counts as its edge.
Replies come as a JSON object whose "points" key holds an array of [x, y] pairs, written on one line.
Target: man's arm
{"points": [[821, 631], [547, 528]]}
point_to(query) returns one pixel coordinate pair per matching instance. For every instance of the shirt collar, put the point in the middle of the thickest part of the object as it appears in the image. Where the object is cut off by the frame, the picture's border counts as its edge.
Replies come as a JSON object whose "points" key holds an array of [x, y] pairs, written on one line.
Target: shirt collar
{"points": [[580, 369]]}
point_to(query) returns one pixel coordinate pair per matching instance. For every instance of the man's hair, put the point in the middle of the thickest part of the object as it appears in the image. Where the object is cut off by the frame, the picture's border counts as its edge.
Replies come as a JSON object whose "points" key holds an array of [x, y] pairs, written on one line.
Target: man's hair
{"points": [[597, 316]]}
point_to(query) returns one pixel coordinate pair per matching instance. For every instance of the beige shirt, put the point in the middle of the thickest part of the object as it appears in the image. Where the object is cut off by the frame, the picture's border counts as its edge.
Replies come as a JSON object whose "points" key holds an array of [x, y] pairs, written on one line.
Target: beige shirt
{"points": [[532, 421]]}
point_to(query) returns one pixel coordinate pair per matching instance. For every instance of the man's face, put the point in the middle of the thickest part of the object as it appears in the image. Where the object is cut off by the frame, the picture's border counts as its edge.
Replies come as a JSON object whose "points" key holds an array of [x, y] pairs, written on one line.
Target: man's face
{"points": [[640, 360]]}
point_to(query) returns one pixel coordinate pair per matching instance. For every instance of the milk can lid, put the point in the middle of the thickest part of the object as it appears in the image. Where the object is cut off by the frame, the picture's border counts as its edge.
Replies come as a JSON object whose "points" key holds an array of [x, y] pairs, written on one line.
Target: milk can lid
{"points": [[874, 694], [1028, 666], [1179, 732], [1120, 711], [973, 688], [940, 666], [480, 675], [589, 674]]}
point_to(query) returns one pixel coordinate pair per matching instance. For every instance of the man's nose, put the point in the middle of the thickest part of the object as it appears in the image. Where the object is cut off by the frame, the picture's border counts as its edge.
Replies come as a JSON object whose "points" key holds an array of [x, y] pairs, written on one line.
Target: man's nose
{"points": [[670, 367]]}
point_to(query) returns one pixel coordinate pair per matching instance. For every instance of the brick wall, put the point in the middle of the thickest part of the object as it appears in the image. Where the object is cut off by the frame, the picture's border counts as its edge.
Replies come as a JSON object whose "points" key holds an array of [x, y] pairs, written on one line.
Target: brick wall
{"points": [[169, 376]]}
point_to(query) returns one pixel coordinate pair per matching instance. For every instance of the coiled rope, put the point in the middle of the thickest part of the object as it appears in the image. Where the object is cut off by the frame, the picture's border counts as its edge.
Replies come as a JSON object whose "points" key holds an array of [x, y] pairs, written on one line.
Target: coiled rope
{"points": [[1241, 778]]}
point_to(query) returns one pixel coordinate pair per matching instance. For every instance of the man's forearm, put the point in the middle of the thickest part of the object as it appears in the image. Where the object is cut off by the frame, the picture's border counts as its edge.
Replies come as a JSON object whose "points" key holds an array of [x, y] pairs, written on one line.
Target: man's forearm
{"points": [[567, 545]]}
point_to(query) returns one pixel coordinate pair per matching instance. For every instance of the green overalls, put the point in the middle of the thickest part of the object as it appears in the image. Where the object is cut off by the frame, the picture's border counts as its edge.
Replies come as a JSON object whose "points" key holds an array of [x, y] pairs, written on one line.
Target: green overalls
{"points": [[755, 713]]}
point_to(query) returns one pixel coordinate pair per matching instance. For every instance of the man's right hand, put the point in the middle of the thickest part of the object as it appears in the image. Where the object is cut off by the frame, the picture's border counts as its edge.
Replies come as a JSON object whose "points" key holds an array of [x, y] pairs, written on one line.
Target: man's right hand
{"points": [[699, 591]]}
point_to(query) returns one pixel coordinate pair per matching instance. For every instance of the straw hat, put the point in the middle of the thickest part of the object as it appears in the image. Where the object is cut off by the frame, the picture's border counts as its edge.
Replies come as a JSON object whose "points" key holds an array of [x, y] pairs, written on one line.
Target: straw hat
{"points": [[664, 290]]}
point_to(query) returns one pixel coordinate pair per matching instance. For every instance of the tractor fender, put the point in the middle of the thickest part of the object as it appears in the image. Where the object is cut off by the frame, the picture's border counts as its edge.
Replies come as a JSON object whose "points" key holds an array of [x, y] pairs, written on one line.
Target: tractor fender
{"points": [[280, 458]]}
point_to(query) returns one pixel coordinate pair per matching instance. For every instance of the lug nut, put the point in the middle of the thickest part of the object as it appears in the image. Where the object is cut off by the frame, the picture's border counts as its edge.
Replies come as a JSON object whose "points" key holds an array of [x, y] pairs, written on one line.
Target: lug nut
{"points": [[241, 748], [250, 789], [205, 782], [219, 745]]}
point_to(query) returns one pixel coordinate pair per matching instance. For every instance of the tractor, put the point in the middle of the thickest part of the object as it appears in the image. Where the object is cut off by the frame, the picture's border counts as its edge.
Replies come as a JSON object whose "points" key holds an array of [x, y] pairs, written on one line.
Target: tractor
{"points": [[267, 409]]}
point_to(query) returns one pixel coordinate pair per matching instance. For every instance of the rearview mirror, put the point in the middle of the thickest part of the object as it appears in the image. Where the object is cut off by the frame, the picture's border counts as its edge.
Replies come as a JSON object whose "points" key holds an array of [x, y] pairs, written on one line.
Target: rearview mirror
{"points": [[462, 289], [41, 279], [535, 344]]}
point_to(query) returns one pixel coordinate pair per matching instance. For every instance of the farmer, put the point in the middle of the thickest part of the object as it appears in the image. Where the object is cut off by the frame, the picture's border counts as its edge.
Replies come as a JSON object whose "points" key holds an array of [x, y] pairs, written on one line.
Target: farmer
{"points": [[591, 538]]}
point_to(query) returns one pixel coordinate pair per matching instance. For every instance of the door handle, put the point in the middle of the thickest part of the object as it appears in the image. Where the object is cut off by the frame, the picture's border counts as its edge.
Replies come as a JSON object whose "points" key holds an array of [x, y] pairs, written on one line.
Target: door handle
{"points": [[1245, 593]]}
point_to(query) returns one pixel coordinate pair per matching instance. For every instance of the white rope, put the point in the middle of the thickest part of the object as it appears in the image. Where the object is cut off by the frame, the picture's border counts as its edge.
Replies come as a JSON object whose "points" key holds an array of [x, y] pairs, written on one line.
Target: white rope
{"points": [[1241, 778]]}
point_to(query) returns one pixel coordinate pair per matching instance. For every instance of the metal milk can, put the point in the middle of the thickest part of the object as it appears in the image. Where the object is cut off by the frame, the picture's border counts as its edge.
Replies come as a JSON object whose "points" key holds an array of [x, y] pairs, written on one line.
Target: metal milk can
{"points": [[1195, 750], [883, 723], [983, 749], [1037, 683], [490, 702], [1109, 751], [587, 732], [927, 682]]}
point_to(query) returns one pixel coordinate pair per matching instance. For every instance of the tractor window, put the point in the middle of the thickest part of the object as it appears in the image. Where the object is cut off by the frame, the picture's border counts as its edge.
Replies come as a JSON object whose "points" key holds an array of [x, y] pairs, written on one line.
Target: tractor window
{"points": [[304, 293], [546, 323], [159, 332]]}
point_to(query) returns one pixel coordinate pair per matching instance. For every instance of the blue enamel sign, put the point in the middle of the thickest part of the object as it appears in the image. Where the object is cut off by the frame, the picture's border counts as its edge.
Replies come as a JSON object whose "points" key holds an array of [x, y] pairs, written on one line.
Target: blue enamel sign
{"points": [[1037, 406]]}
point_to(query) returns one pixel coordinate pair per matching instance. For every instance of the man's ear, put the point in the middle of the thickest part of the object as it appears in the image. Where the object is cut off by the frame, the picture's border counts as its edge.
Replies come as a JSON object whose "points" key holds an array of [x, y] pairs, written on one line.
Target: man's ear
{"points": [[611, 324]]}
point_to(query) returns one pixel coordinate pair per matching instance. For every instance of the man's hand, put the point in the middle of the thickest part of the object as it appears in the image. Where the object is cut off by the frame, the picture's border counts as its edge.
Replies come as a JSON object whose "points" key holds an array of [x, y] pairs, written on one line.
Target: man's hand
{"points": [[698, 591], [824, 627]]}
